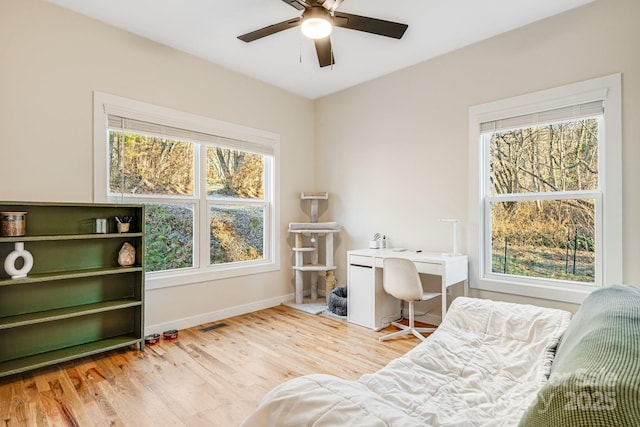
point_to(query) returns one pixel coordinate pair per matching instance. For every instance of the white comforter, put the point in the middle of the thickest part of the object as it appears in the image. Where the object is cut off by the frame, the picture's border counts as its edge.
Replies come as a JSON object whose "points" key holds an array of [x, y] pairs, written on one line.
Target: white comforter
{"points": [[482, 367]]}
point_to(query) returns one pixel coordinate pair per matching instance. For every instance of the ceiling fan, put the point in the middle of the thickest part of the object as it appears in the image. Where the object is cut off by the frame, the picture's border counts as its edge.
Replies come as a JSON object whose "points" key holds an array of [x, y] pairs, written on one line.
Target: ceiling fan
{"points": [[317, 20]]}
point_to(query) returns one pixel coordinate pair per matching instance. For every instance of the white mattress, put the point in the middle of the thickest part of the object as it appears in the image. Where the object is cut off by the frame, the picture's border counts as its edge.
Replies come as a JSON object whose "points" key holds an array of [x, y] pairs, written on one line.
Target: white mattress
{"points": [[482, 367]]}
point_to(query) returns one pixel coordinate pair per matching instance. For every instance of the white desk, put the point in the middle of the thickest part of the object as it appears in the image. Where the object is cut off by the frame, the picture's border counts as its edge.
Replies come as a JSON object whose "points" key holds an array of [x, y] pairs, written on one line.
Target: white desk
{"points": [[369, 305]]}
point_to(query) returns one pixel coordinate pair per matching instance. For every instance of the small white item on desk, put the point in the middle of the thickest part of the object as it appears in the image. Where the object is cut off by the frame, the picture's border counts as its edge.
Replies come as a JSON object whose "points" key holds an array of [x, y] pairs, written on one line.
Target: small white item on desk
{"points": [[455, 222], [375, 242], [399, 250]]}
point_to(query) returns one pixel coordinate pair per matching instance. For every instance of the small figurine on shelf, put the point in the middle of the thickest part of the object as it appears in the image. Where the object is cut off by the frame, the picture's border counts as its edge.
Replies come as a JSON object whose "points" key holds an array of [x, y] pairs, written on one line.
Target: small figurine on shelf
{"points": [[127, 255], [123, 223]]}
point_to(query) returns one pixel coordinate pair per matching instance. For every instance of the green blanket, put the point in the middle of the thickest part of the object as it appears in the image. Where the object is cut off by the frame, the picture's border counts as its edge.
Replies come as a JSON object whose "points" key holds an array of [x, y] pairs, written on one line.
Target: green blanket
{"points": [[595, 376]]}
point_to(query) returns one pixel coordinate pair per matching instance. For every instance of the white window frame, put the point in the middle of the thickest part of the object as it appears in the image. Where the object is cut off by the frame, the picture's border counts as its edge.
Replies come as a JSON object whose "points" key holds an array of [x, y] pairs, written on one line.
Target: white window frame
{"points": [[106, 104], [608, 216]]}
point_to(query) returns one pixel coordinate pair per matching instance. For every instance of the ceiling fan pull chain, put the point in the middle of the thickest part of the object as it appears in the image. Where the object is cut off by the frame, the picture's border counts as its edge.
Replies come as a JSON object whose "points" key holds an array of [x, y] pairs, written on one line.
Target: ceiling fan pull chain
{"points": [[332, 59]]}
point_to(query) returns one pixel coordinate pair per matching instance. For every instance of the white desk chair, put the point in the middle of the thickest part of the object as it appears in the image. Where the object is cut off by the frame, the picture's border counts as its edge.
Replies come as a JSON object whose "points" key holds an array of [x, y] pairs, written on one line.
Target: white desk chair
{"points": [[400, 279]]}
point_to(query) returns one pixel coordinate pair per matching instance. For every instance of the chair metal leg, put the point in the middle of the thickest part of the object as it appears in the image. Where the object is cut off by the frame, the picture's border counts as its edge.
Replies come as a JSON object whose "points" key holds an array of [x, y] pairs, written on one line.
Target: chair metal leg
{"points": [[399, 325], [424, 330], [418, 334], [405, 330], [396, 334], [411, 314]]}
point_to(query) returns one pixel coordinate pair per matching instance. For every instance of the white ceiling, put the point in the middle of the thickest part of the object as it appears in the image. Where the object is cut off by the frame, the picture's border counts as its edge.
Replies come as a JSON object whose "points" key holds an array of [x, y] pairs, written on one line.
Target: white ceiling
{"points": [[208, 29]]}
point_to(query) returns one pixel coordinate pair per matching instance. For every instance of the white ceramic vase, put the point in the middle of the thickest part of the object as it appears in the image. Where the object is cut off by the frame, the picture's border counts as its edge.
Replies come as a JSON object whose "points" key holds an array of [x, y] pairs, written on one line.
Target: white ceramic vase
{"points": [[10, 262]]}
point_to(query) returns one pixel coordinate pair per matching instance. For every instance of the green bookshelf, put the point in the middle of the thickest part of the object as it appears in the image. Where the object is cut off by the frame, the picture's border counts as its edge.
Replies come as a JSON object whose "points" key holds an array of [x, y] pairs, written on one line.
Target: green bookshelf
{"points": [[76, 300]]}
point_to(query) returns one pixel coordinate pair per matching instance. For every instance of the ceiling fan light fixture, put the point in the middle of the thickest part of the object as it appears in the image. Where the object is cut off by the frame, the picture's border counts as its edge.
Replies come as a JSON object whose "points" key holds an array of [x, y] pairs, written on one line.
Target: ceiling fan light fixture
{"points": [[316, 27], [316, 23]]}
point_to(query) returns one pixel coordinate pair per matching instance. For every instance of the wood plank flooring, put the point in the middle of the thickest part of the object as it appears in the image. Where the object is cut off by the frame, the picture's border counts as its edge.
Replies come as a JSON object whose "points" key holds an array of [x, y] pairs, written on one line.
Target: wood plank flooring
{"points": [[204, 378]]}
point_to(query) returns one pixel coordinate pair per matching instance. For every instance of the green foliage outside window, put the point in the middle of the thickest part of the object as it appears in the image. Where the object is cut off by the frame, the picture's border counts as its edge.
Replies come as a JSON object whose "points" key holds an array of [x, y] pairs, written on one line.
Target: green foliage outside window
{"points": [[237, 234], [169, 236]]}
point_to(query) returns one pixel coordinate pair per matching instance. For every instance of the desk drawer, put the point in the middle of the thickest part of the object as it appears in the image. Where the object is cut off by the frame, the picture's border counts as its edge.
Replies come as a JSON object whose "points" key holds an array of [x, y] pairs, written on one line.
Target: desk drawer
{"points": [[365, 261], [429, 268]]}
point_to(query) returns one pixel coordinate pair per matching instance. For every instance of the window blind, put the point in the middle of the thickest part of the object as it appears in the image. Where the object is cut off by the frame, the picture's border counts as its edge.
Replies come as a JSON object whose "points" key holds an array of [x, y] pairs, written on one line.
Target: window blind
{"points": [[572, 112], [163, 131]]}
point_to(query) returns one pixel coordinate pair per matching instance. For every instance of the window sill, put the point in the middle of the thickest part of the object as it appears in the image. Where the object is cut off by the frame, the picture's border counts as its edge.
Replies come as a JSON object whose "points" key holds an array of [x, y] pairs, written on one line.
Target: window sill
{"points": [[192, 276], [553, 291]]}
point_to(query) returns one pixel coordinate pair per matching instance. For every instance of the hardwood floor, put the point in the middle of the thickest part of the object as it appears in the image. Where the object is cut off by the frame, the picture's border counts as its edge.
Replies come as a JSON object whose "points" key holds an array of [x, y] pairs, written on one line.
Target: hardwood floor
{"points": [[204, 378]]}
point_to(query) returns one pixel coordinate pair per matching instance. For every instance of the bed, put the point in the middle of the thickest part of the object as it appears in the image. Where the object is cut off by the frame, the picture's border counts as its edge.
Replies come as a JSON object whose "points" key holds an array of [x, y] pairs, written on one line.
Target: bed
{"points": [[489, 364], [482, 367]]}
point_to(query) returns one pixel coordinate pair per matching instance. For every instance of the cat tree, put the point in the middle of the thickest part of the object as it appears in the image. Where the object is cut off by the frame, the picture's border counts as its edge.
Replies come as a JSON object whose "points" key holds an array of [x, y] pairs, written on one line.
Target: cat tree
{"points": [[306, 242]]}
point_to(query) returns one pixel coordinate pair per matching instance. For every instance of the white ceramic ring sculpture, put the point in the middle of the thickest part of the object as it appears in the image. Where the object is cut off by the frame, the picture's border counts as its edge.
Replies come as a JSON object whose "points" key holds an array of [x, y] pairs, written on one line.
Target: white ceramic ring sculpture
{"points": [[10, 262]]}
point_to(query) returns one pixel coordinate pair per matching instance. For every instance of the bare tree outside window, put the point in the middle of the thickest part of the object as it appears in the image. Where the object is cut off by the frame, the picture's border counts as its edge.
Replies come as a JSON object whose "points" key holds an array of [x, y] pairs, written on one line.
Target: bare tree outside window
{"points": [[233, 173], [148, 165], [540, 224], [237, 231], [161, 172]]}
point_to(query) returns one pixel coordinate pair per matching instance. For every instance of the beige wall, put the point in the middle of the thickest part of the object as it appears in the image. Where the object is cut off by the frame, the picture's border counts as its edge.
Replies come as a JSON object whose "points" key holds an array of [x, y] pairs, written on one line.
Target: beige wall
{"points": [[51, 62], [394, 151]]}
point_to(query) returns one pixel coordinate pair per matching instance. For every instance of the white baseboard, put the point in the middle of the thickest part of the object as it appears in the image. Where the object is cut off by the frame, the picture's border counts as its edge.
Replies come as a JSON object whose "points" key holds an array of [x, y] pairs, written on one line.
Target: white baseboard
{"points": [[214, 316]]}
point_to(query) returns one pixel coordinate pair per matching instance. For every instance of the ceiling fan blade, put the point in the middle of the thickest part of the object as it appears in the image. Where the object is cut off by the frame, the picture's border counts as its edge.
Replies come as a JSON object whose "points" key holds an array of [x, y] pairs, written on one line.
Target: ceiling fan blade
{"points": [[295, 3], [324, 51], [370, 25], [271, 29]]}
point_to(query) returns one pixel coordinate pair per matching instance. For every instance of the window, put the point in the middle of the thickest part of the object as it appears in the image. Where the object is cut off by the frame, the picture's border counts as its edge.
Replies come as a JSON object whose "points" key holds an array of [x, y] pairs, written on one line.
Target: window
{"points": [[209, 189], [546, 207]]}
